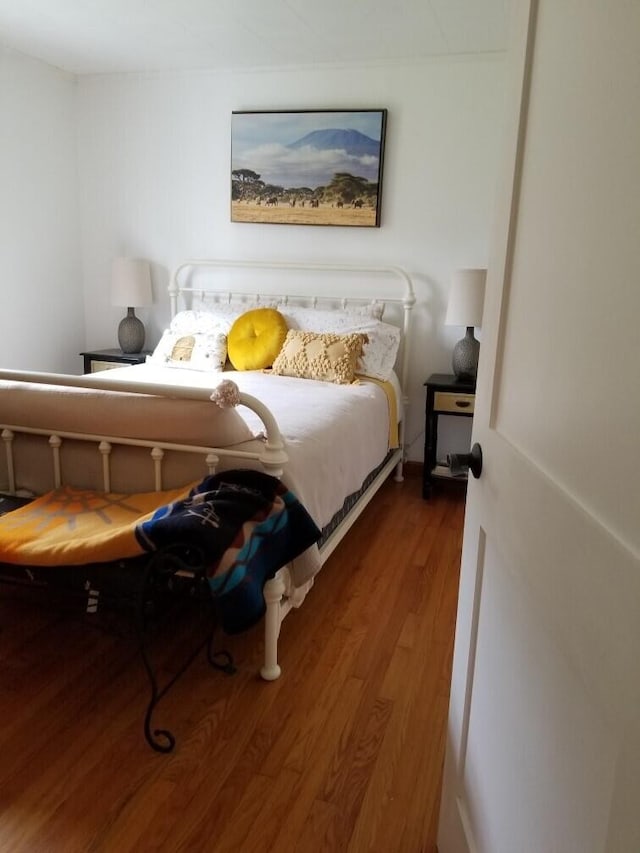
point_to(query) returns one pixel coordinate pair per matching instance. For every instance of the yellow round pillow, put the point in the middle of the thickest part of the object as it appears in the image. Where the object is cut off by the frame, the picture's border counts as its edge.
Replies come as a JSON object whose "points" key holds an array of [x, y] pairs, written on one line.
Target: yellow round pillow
{"points": [[256, 338]]}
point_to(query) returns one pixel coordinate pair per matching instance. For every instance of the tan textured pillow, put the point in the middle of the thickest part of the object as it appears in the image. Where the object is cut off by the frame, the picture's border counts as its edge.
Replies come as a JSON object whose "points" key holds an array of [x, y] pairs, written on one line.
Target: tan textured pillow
{"points": [[310, 355]]}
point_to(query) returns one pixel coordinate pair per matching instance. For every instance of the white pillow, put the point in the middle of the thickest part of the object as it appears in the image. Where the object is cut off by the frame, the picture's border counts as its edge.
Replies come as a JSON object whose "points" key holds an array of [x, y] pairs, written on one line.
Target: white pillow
{"points": [[379, 354], [191, 322], [219, 318], [191, 350]]}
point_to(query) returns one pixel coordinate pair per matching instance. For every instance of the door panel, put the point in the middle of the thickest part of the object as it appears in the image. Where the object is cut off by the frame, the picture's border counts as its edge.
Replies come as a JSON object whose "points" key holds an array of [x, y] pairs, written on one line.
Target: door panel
{"points": [[530, 722], [569, 345]]}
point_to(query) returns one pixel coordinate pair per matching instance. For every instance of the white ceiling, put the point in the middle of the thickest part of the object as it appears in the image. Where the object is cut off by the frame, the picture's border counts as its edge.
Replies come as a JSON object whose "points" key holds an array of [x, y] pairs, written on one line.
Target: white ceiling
{"points": [[106, 36]]}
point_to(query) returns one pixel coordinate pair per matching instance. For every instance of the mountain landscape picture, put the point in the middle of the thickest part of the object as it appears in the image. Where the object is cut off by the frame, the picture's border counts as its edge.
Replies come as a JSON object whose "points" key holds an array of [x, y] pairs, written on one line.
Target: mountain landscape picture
{"points": [[307, 167]]}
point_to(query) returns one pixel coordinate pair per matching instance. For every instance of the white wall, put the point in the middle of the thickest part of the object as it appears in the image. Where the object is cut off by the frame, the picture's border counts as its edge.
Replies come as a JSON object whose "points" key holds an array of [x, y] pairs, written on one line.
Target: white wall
{"points": [[154, 155], [42, 316]]}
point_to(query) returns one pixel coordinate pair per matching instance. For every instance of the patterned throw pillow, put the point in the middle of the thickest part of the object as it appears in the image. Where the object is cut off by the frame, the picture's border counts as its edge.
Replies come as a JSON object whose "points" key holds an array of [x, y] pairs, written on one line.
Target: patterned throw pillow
{"points": [[309, 355], [196, 351]]}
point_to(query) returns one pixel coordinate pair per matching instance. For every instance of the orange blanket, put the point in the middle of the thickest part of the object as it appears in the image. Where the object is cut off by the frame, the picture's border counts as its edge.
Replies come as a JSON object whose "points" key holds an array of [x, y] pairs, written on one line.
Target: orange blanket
{"points": [[74, 526]]}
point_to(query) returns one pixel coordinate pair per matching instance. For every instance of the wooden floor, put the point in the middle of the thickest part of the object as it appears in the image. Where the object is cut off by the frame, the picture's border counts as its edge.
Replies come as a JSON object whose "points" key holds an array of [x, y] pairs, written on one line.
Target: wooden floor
{"points": [[343, 753]]}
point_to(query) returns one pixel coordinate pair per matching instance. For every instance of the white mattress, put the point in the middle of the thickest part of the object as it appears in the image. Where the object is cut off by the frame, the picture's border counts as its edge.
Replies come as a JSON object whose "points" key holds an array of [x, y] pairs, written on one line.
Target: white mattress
{"points": [[334, 435]]}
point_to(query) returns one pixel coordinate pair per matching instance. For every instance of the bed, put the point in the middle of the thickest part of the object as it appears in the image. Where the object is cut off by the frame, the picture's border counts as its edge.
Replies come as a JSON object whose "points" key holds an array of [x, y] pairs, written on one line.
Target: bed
{"points": [[169, 422]]}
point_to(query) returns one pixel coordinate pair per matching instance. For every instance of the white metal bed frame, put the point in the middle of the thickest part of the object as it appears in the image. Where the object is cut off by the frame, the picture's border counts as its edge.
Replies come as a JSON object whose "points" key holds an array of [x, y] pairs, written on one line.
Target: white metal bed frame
{"points": [[281, 596]]}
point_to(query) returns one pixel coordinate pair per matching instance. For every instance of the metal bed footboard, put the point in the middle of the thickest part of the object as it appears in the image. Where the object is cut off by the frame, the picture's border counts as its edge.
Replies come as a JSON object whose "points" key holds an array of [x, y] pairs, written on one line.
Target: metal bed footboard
{"points": [[153, 574]]}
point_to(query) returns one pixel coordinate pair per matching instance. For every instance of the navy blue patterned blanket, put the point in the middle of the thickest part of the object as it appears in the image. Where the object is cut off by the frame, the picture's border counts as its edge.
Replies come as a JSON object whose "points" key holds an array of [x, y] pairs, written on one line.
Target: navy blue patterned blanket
{"points": [[247, 525]]}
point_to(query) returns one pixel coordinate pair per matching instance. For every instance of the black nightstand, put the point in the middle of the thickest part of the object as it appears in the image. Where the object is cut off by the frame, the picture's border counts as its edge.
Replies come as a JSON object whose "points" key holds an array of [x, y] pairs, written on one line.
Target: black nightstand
{"points": [[105, 359], [446, 395]]}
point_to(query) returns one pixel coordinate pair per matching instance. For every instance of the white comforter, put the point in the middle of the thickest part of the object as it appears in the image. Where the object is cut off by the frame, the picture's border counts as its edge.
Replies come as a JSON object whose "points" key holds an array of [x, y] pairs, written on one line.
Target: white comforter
{"points": [[334, 434]]}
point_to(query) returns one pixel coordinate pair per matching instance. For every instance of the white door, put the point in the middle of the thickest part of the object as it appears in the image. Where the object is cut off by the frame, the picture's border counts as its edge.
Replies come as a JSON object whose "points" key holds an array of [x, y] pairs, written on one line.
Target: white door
{"points": [[543, 752]]}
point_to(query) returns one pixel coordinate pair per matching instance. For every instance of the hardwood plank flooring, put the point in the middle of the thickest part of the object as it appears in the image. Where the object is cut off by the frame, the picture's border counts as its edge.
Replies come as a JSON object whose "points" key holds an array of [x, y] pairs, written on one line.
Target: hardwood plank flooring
{"points": [[343, 753]]}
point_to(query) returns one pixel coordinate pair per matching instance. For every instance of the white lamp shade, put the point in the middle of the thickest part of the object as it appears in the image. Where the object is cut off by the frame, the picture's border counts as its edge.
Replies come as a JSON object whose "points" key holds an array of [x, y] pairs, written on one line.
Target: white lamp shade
{"points": [[466, 298], [130, 282]]}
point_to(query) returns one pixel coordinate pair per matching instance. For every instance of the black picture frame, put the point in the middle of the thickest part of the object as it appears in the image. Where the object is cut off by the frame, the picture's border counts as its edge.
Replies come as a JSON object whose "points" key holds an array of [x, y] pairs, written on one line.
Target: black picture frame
{"points": [[307, 167]]}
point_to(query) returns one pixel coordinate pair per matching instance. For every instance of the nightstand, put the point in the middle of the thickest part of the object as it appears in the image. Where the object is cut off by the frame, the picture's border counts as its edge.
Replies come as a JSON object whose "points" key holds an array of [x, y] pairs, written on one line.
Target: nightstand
{"points": [[446, 395], [106, 359]]}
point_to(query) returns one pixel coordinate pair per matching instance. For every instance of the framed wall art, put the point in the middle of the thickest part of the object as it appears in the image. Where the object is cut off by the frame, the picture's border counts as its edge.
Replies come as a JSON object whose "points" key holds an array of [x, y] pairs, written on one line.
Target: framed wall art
{"points": [[307, 167]]}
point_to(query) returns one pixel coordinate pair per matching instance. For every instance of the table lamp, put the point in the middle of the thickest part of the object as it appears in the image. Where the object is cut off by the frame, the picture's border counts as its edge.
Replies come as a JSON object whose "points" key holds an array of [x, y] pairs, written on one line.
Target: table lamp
{"points": [[130, 288], [466, 300]]}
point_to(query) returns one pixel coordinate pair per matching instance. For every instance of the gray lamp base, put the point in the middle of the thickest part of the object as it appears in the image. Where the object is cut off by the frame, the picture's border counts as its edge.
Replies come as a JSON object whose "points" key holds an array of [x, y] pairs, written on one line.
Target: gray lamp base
{"points": [[131, 333], [465, 356]]}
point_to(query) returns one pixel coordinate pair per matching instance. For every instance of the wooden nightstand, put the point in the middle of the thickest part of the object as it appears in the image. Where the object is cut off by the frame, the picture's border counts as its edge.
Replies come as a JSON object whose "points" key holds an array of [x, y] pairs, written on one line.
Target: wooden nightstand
{"points": [[106, 359], [446, 395]]}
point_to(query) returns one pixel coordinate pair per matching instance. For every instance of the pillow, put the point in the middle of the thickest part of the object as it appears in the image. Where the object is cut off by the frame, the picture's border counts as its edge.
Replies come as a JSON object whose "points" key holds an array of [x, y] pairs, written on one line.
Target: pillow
{"points": [[195, 351], [329, 357], [380, 352], [337, 320], [219, 318], [188, 322], [256, 338]]}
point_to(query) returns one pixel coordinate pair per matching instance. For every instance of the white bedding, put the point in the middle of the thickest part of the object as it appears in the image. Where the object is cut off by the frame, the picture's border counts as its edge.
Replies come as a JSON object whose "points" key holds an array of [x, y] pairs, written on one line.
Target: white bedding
{"points": [[334, 434]]}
